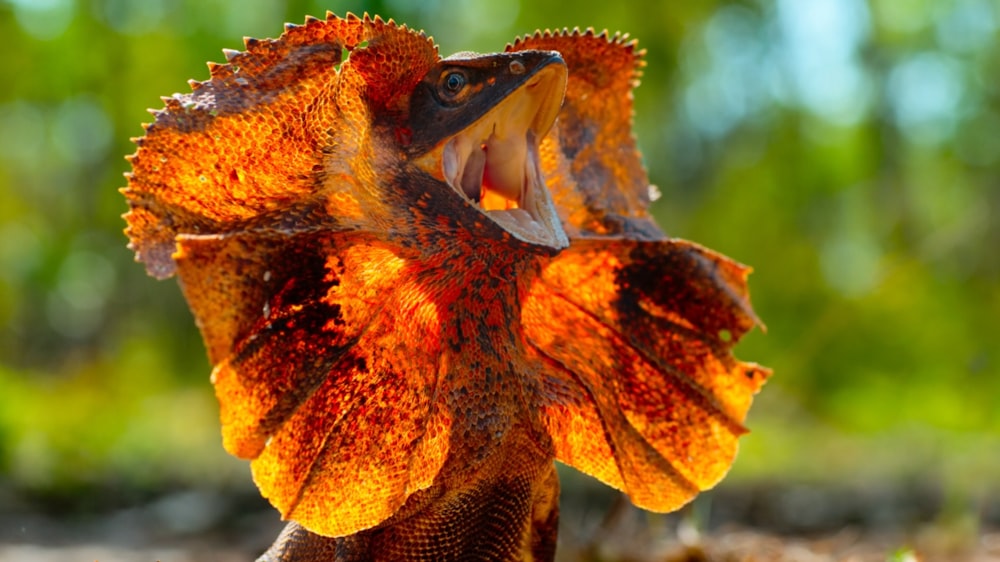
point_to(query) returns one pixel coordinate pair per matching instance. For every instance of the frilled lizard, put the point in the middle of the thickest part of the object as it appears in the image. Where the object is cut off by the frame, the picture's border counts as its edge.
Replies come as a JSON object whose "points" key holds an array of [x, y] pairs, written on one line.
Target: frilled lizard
{"points": [[422, 280]]}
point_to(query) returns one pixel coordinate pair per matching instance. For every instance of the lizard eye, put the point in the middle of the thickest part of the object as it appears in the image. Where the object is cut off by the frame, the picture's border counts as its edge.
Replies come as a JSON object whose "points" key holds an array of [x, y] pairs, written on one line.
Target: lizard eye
{"points": [[453, 83]]}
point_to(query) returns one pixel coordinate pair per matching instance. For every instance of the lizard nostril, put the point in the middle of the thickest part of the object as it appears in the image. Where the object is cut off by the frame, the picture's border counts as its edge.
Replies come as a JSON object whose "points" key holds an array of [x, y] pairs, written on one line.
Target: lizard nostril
{"points": [[516, 67]]}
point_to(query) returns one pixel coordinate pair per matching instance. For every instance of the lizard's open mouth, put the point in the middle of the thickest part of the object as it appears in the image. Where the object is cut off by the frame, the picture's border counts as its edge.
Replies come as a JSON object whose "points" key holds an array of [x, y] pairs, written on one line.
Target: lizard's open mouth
{"points": [[494, 162]]}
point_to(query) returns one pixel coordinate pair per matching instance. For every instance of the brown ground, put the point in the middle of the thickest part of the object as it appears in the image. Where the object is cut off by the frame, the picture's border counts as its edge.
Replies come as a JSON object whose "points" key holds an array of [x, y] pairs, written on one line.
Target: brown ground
{"points": [[761, 523], [726, 546]]}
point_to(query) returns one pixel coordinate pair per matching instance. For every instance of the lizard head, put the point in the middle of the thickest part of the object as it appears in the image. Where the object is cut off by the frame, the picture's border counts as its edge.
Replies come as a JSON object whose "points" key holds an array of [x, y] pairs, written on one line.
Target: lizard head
{"points": [[476, 121]]}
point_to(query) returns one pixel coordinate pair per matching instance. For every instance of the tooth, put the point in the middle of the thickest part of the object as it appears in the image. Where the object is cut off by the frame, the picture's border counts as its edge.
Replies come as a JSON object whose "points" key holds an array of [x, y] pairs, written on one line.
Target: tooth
{"points": [[451, 164], [522, 217], [472, 176], [460, 146], [532, 171]]}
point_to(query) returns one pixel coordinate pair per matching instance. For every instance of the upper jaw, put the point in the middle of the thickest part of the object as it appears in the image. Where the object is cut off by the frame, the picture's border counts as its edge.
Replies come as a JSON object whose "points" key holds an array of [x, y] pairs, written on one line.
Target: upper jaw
{"points": [[493, 163]]}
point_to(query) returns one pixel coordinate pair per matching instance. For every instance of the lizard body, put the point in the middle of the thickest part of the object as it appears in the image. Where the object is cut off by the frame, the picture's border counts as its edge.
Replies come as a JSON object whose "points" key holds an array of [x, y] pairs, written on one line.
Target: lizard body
{"points": [[422, 280]]}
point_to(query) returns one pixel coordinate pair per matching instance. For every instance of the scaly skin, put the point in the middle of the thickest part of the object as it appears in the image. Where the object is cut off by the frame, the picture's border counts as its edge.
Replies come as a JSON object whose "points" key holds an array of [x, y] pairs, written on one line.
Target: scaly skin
{"points": [[400, 357]]}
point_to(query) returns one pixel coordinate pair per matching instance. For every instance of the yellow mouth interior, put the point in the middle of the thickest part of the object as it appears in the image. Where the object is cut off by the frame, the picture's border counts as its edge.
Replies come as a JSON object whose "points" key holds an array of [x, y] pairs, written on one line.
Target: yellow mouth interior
{"points": [[494, 162]]}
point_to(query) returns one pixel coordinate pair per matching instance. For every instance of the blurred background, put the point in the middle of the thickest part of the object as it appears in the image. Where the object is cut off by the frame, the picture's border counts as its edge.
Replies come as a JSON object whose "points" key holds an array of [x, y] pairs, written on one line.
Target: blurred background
{"points": [[848, 150]]}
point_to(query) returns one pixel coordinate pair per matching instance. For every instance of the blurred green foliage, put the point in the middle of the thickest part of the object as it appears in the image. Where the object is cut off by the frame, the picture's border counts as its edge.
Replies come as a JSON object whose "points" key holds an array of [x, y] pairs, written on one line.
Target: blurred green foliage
{"points": [[848, 150]]}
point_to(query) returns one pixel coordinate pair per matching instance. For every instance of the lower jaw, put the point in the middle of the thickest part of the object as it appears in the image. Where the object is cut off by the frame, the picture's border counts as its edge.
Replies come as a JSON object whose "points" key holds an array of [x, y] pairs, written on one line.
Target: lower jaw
{"points": [[513, 194]]}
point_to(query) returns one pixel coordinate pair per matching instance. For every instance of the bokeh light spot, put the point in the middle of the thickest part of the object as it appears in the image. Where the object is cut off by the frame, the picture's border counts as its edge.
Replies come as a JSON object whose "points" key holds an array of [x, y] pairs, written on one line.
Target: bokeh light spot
{"points": [[44, 19], [926, 89], [81, 130], [23, 139], [821, 41]]}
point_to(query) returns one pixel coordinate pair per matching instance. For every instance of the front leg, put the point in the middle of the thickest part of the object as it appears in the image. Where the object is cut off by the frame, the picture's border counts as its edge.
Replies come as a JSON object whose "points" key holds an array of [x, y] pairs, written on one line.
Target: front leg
{"points": [[296, 544], [505, 519]]}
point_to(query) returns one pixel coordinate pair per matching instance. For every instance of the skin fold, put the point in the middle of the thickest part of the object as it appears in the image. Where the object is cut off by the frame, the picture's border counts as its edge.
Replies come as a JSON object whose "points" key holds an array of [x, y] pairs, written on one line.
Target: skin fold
{"points": [[421, 281]]}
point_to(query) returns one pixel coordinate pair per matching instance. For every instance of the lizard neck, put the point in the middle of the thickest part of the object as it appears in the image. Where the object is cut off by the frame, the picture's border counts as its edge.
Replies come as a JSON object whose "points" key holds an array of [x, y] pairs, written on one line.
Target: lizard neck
{"points": [[484, 378]]}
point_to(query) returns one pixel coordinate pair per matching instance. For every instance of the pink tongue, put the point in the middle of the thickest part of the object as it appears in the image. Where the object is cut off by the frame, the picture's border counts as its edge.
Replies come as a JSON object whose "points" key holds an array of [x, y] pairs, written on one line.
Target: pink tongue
{"points": [[505, 166]]}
